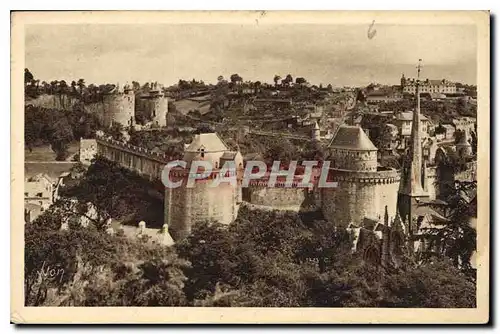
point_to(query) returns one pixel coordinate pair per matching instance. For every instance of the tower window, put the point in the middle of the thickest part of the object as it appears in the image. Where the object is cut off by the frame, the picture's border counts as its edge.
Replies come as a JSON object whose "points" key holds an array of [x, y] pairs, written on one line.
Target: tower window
{"points": [[202, 152]]}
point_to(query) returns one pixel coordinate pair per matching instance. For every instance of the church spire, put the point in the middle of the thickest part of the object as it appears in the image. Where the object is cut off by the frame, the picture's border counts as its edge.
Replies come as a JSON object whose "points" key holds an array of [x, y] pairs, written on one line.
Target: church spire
{"points": [[413, 180]]}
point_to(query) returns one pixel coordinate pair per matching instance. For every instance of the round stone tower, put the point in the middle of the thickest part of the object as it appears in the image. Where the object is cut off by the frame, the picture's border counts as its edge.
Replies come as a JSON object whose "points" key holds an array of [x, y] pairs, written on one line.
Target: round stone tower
{"points": [[184, 205], [364, 189], [155, 105], [119, 107]]}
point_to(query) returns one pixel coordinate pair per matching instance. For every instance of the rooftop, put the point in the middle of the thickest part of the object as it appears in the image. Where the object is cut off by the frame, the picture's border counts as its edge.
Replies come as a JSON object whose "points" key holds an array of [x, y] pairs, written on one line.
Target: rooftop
{"points": [[210, 142], [408, 116], [352, 138]]}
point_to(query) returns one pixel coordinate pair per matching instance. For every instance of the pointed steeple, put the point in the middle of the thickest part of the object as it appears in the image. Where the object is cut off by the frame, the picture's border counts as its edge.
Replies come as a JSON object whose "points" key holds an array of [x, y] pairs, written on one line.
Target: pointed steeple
{"points": [[412, 182]]}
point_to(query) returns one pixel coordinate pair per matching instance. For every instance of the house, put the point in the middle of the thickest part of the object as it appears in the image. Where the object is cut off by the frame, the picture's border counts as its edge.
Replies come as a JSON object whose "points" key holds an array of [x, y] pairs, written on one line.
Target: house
{"points": [[464, 123], [38, 196], [449, 131], [404, 120], [39, 190]]}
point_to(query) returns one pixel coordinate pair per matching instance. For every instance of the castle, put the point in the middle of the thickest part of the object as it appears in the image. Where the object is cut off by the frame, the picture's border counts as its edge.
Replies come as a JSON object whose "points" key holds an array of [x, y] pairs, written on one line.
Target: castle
{"points": [[154, 105], [368, 198], [364, 189], [120, 105], [184, 205]]}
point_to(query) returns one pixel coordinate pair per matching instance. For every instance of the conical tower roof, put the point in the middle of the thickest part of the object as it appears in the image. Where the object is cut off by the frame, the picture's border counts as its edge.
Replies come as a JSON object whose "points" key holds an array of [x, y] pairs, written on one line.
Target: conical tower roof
{"points": [[352, 138]]}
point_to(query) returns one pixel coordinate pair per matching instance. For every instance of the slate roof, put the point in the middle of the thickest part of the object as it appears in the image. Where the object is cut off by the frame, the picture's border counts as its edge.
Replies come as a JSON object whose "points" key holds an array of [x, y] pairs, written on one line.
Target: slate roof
{"points": [[352, 138], [211, 142]]}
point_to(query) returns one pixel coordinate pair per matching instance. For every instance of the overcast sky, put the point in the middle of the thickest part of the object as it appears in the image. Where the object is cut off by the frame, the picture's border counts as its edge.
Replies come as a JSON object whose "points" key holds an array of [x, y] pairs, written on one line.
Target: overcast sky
{"points": [[336, 54]]}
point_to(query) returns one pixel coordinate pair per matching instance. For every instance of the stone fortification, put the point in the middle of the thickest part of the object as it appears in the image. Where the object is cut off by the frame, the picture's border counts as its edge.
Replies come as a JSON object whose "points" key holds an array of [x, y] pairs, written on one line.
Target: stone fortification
{"points": [[118, 106], [154, 106], [363, 189]]}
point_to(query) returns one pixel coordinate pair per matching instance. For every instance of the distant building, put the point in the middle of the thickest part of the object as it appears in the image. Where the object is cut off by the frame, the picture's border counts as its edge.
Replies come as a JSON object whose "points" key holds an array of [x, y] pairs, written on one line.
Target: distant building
{"points": [[377, 94], [428, 86], [404, 120], [449, 131], [464, 123], [38, 195]]}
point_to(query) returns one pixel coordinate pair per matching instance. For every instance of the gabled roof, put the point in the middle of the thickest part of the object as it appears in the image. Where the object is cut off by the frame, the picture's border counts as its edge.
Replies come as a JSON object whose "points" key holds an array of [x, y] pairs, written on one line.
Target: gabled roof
{"points": [[210, 142], [352, 138], [431, 217]]}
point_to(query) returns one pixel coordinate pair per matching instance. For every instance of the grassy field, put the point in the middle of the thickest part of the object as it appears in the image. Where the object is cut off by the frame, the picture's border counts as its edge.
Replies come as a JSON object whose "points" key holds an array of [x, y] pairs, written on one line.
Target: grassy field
{"points": [[45, 153], [184, 106]]}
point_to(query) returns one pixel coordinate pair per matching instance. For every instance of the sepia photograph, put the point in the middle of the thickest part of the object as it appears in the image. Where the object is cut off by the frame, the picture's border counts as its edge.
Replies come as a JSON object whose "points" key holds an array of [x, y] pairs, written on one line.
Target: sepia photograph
{"points": [[257, 167]]}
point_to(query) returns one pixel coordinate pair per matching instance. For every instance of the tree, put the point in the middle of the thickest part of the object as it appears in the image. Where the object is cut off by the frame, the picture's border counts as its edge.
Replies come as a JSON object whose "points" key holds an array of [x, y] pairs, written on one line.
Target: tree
{"points": [[73, 87], [276, 79], [116, 131], [158, 282], [461, 106], [61, 135], [81, 85], [300, 81], [381, 136], [289, 79], [146, 88], [257, 86], [54, 86], [28, 76], [416, 287], [45, 87], [86, 267], [63, 86], [236, 79], [457, 238], [136, 86]]}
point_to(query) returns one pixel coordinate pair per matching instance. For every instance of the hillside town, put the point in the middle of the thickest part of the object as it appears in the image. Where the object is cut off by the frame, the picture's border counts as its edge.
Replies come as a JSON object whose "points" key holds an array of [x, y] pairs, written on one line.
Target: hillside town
{"points": [[404, 209]]}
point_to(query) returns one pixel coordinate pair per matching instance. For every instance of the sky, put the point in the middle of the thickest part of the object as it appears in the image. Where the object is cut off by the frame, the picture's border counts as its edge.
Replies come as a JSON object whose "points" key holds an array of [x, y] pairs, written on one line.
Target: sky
{"points": [[341, 55]]}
